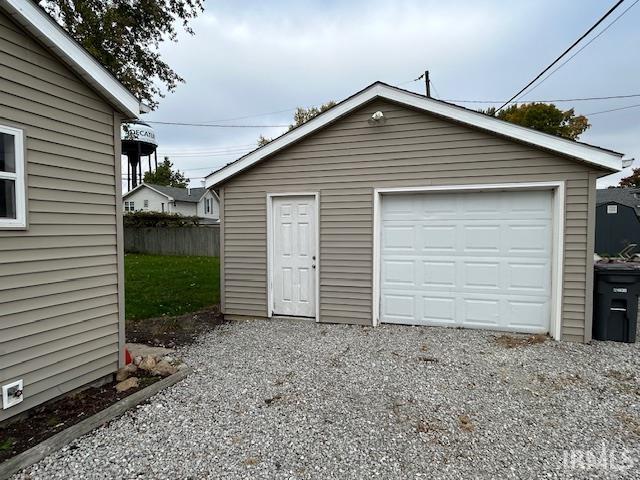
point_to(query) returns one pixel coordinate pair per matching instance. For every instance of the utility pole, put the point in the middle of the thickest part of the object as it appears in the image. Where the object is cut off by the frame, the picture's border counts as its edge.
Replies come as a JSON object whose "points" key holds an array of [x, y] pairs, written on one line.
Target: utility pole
{"points": [[427, 84]]}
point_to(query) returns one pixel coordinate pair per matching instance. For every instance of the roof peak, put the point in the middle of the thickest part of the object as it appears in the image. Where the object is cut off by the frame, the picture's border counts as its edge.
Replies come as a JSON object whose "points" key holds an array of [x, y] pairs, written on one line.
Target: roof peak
{"points": [[603, 158]]}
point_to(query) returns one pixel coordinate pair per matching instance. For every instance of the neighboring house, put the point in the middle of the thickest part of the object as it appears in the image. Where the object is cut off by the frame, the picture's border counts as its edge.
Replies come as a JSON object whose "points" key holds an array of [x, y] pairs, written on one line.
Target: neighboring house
{"points": [[617, 220], [191, 202], [61, 256], [394, 207]]}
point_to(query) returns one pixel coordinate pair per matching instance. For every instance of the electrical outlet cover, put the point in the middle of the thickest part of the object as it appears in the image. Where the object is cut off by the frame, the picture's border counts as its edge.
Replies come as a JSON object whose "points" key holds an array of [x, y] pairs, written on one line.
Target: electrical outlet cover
{"points": [[8, 399]]}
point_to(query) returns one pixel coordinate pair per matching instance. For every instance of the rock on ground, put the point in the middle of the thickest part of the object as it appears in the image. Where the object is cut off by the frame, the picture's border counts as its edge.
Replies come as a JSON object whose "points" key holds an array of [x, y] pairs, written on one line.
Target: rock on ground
{"points": [[129, 383], [295, 399], [142, 350]]}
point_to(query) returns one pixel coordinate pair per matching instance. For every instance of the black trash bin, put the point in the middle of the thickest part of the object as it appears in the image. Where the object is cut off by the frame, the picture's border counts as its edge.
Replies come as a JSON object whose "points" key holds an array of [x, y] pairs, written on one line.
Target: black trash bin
{"points": [[615, 309]]}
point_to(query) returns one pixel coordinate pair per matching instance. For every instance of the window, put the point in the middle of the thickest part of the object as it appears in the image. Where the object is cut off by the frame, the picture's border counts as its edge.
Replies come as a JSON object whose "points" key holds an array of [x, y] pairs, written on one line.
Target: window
{"points": [[207, 206], [129, 207], [612, 208], [13, 211], [162, 207], [146, 204]]}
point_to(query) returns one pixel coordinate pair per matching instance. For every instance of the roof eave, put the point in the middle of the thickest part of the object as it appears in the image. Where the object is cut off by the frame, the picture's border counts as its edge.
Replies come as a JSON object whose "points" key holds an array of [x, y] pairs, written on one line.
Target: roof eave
{"points": [[46, 30], [604, 159]]}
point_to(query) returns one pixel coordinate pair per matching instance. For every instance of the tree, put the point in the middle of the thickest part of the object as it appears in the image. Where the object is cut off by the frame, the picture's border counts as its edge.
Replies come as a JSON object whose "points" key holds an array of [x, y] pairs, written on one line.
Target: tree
{"points": [[165, 175], [544, 117], [632, 180], [301, 115], [124, 37]]}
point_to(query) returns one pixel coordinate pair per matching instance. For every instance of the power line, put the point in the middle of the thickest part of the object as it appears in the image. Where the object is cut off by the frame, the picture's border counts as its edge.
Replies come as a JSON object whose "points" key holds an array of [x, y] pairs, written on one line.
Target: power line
{"points": [[192, 155], [434, 88], [582, 48], [204, 152], [557, 100], [612, 110], [609, 12], [225, 148], [215, 125], [251, 116]]}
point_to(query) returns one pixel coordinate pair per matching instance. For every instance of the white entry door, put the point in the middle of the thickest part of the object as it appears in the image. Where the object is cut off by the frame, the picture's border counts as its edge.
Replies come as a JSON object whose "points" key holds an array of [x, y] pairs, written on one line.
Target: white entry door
{"points": [[294, 256], [476, 260]]}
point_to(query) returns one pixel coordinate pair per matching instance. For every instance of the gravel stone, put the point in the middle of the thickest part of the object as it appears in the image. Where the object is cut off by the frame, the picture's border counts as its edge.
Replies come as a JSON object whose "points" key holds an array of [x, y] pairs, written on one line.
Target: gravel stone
{"points": [[294, 399]]}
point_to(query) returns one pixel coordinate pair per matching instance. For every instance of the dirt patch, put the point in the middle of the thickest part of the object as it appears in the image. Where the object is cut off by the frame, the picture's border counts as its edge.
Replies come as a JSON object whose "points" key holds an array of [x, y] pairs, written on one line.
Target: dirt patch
{"points": [[49, 419], [171, 332], [631, 423], [465, 423], [510, 341]]}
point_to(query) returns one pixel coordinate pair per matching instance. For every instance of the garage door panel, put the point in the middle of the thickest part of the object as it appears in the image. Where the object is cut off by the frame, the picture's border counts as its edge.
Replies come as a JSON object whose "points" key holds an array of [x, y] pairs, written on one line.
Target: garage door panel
{"points": [[441, 238], [480, 239], [481, 275], [438, 273], [532, 239], [398, 238], [528, 277], [399, 272], [478, 260]]}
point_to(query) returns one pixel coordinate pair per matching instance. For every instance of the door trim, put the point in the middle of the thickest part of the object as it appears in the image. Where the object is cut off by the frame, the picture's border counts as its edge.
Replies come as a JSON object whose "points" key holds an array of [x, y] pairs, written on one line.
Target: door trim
{"points": [[557, 255], [270, 225]]}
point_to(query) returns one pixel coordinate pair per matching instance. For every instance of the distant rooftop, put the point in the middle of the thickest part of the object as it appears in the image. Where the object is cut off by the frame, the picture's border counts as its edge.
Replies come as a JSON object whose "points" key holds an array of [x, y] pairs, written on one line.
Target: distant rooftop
{"points": [[624, 196], [180, 194]]}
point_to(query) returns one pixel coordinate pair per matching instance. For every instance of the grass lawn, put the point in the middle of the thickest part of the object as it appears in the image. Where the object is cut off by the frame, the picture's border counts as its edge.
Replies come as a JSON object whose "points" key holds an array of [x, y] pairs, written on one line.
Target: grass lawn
{"points": [[159, 285]]}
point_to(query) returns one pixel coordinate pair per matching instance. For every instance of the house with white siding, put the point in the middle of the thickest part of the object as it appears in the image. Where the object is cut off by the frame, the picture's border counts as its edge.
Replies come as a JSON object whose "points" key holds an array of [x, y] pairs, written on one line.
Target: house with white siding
{"points": [[61, 249], [191, 202]]}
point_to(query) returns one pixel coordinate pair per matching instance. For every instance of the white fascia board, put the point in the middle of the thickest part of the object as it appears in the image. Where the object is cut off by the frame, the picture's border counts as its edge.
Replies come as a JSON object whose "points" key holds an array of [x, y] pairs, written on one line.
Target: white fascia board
{"points": [[318, 122], [43, 27], [586, 153]]}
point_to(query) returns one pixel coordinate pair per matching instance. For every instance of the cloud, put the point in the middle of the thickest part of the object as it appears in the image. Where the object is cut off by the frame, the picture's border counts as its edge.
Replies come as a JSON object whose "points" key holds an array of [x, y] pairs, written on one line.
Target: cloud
{"points": [[255, 57]]}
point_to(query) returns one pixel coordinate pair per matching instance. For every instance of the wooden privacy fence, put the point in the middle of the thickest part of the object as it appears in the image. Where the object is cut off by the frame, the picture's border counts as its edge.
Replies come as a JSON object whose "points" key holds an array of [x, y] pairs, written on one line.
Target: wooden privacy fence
{"points": [[203, 240]]}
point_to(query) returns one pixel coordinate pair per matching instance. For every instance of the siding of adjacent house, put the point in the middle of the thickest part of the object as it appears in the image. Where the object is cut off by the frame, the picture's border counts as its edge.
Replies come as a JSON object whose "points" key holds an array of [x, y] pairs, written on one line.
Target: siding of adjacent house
{"points": [[155, 199], [215, 206], [615, 231], [345, 161], [59, 309]]}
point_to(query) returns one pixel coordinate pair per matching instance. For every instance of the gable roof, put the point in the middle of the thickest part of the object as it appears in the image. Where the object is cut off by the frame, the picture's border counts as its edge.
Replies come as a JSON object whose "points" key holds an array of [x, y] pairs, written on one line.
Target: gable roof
{"points": [[39, 23], [606, 159], [623, 196], [175, 194]]}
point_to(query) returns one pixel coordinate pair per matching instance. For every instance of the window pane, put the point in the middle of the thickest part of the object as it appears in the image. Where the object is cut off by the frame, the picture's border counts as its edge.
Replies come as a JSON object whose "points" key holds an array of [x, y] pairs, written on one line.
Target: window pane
{"points": [[7, 199], [7, 153]]}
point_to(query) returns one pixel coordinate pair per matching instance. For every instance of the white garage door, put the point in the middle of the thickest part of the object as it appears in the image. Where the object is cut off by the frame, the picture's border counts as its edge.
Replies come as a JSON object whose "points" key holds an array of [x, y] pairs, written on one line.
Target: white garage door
{"points": [[476, 260]]}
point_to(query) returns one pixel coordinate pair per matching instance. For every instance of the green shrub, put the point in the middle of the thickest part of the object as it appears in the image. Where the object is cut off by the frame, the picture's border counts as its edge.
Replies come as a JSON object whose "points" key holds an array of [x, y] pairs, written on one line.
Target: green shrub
{"points": [[158, 219]]}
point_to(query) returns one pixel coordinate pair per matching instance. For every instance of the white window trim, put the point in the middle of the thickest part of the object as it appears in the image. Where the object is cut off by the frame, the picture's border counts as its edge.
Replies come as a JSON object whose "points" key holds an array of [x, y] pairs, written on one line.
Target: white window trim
{"points": [[270, 248], [612, 209], [557, 258], [19, 178]]}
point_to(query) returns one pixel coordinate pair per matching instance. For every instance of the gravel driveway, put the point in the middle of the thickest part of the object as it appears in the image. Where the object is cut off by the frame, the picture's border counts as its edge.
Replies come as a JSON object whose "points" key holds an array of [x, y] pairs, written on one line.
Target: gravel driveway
{"points": [[294, 399]]}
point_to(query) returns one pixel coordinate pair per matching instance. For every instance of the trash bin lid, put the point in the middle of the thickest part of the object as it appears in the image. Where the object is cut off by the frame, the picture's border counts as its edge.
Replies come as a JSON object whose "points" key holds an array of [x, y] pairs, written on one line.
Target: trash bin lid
{"points": [[618, 267]]}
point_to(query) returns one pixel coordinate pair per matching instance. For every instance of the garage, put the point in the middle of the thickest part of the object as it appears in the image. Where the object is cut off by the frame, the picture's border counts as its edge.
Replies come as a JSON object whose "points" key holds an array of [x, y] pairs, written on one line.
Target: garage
{"points": [[472, 259], [423, 213]]}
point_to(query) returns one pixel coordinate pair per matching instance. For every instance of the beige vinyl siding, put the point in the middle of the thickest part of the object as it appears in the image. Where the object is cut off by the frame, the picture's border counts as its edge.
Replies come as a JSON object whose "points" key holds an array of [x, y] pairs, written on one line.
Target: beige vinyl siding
{"points": [[345, 161], [59, 313]]}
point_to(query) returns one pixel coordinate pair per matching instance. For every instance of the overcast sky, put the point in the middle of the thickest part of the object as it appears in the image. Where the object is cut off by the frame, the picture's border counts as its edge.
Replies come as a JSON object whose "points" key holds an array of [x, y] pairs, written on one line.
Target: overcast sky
{"points": [[251, 58]]}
